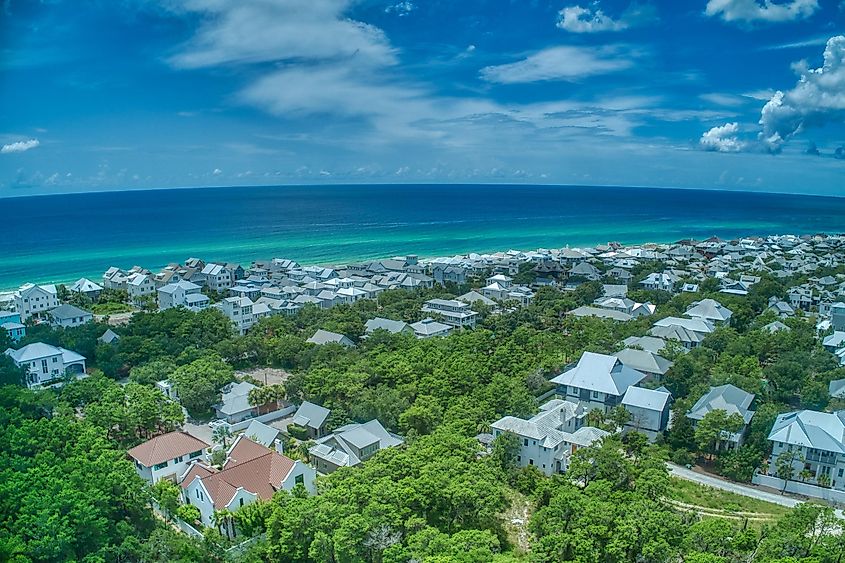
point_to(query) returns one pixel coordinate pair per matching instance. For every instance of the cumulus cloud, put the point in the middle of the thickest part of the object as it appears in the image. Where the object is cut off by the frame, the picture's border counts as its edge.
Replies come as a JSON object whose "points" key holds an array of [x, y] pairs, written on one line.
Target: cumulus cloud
{"points": [[19, 146], [816, 100], [722, 138], [751, 11], [577, 19], [567, 63]]}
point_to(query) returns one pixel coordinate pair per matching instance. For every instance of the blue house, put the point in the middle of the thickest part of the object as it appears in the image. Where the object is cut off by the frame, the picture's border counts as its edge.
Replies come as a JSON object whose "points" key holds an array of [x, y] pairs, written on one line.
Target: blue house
{"points": [[12, 323]]}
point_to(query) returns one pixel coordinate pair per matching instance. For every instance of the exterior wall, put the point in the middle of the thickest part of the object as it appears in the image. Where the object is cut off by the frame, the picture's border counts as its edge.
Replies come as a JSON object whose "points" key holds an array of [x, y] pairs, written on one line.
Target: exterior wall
{"points": [[532, 453], [196, 494], [74, 321], [34, 302], [817, 461], [590, 399], [324, 466], [172, 470], [796, 487], [42, 370], [647, 420], [301, 473]]}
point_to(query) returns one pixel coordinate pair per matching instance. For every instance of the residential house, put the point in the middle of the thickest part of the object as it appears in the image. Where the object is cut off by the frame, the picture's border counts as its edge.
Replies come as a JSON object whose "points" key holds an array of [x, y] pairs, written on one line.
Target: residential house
{"points": [[239, 311], [689, 332], [709, 310], [781, 308], [327, 337], [87, 288], [644, 361], [108, 337], [612, 314], [10, 321], [597, 381], [351, 444], [35, 300], [473, 297], [816, 443], [547, 439], [235, 407], [182, 294], [389, 325], [313, 418], [428, 328], [837, 316], [45, 364], [139, 286], [648, 343], [455, 313], [250, 473], [166, 456], [649, 410], [730, 399], [218, 277], [263, 434], [66, 316], [664, 281]]}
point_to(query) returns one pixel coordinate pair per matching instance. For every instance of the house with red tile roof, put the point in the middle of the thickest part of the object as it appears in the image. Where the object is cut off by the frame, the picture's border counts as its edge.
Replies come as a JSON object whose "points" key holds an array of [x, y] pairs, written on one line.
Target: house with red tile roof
{"points": [[251, 472], [167, 456]]}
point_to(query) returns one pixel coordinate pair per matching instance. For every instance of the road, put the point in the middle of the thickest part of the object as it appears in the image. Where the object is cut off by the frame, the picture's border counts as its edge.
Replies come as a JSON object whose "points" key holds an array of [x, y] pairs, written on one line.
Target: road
{"points": [[744, 490]]}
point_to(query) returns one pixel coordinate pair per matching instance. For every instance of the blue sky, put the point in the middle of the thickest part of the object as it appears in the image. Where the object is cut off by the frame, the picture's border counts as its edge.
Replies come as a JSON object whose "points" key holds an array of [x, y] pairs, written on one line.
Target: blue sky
{"points": [[128, 94]]}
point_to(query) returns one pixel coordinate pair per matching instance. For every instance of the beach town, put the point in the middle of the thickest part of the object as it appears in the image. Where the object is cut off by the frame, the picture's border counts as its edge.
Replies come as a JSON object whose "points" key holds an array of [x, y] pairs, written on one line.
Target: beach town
{"points": [[256, 435]]}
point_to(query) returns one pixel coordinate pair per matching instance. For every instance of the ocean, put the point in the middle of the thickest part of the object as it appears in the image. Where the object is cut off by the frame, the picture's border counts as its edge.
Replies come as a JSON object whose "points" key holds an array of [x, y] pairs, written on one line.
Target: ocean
{"points": [[60, 238]]}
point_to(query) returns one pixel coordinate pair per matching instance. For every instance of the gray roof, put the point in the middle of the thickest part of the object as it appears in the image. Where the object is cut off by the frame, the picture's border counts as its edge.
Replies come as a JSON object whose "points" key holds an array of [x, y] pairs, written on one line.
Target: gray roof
{"points": [[337, 447], [236, 398], [649, 399], [643, 360], [259, 432], [836, 388], [109, 336], [326, 337], [391, 326], [310, 415], [709, 309], [819, 430], [65, 311], [651, 344], [586, 311], [728, 398], [599, 372]]}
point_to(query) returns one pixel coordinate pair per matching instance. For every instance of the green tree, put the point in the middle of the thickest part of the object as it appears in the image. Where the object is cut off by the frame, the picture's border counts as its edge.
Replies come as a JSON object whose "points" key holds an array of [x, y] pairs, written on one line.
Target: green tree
{"points": [[715, 427]]}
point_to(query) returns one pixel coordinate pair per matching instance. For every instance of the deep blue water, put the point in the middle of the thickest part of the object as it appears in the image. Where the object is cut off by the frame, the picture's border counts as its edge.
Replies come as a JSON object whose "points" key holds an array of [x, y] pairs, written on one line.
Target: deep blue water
{"points": [[63, 237]]}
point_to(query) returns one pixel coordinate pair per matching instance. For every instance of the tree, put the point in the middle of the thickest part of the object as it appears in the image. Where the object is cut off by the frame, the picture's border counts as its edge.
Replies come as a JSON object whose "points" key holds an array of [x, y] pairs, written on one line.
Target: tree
{"points": [[785, 464], [619, 416], [266, 397], [198, 384], [167, 494], [505, 449], [10, 374], [715, 427], [220, 434], [189, 513]]}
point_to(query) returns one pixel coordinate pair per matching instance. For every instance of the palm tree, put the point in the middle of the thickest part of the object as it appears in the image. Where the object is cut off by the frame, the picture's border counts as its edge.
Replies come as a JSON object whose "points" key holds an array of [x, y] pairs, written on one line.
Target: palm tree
{"points": [[221, 519], [221, 434]]}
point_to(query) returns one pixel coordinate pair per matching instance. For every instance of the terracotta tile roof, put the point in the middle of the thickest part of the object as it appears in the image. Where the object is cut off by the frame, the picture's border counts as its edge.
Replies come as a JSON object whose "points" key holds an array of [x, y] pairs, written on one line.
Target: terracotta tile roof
{"points": [[196, 469], [166, 447], [257, 469]]}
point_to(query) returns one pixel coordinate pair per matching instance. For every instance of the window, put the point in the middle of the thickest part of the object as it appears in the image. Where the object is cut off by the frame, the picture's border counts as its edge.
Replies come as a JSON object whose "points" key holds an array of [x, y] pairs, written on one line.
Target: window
{"points": [[839, 474], [525, 441], [178, 459], [55, 359], [299, 479], [160, 465], [195, 454], [596, 395], [241, 501], [530, 462]]}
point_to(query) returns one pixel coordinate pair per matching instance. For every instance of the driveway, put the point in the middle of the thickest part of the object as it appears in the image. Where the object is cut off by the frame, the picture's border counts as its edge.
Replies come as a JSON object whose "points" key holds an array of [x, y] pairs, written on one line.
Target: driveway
{"points": [[744, 490]]}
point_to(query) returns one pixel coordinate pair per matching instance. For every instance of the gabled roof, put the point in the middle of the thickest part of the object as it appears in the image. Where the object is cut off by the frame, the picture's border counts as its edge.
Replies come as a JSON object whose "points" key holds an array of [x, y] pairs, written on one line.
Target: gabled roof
{"points": [[311, 415], [643, 360], [84, 285], [709, 309], [599, 372], [325, 337], [391, 326], [235, 398], [67, 311], [261, 433], [166, 447], [650, 399], [36, 351]]}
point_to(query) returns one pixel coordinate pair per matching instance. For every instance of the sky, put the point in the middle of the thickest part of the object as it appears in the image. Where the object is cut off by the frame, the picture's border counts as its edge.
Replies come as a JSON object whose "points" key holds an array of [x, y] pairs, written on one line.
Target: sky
{"points": [[134, 94]]}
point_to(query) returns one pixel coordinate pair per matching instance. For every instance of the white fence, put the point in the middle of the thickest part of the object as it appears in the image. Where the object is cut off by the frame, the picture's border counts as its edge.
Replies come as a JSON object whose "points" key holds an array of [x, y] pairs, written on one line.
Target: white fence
{"points": [[181, 524], [798, 488]]}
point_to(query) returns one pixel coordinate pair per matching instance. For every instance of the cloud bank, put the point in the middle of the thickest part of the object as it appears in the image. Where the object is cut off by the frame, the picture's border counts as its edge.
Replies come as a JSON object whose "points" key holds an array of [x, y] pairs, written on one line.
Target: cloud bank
{"points": [[19, 146], [751, 11], [566, 63]]}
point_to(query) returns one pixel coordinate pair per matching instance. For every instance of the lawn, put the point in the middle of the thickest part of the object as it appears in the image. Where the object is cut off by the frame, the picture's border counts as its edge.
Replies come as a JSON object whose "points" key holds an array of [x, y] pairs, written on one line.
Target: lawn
{"points": [[716, 501]]}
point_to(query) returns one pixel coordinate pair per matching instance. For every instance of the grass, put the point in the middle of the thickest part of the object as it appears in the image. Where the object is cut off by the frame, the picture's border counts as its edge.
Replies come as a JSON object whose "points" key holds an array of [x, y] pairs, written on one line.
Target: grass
{"points": [[110, 308], [718, 501]]}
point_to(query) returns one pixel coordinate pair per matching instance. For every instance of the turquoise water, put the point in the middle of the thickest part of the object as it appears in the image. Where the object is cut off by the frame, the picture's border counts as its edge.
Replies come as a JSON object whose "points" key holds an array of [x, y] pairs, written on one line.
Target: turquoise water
{"points": [[64, 237]]}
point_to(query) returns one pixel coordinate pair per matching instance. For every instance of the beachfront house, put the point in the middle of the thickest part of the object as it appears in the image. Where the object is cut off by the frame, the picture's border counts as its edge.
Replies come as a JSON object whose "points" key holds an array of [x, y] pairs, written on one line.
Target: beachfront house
{"points": [[597, 381], [250, 473], [350, 445], [166, 456], [88, 288], [35, 300], [45, 364], [217, 277]]}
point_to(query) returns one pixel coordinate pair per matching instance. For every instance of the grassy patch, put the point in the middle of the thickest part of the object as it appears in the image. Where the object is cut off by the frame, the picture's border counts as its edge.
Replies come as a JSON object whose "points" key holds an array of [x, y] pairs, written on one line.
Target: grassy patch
{"points": [[110, 308], [706, 497]]}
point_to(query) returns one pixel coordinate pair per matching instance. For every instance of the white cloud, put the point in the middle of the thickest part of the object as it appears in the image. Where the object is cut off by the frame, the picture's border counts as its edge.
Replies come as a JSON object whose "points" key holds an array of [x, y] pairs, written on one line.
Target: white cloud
{"points": [[722, 138], [577, 19], [272, 31], [750, 11], [726, 100], [562, 63], [400, 8], [816, 100], [19, 146]]}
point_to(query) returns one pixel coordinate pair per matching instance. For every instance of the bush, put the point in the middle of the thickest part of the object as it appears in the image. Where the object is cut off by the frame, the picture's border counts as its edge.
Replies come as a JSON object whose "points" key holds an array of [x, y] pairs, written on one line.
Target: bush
{"points": [[681, 457], [298, 432], [189, 513]]}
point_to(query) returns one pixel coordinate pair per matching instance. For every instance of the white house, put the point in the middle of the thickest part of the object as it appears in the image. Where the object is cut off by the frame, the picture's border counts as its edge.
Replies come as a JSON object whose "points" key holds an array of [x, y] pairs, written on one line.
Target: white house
{"points": [[67, 316], [349, 445], [218, 277], [139, 286], [327, 337], [35, 300], [598, 381], [46, 364], [182, 294], [660, 281], [87, 287], [251, 472], [454, 313], [239, 311], [166, 456], [709, 310], [428, 328], [547, 439]]}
